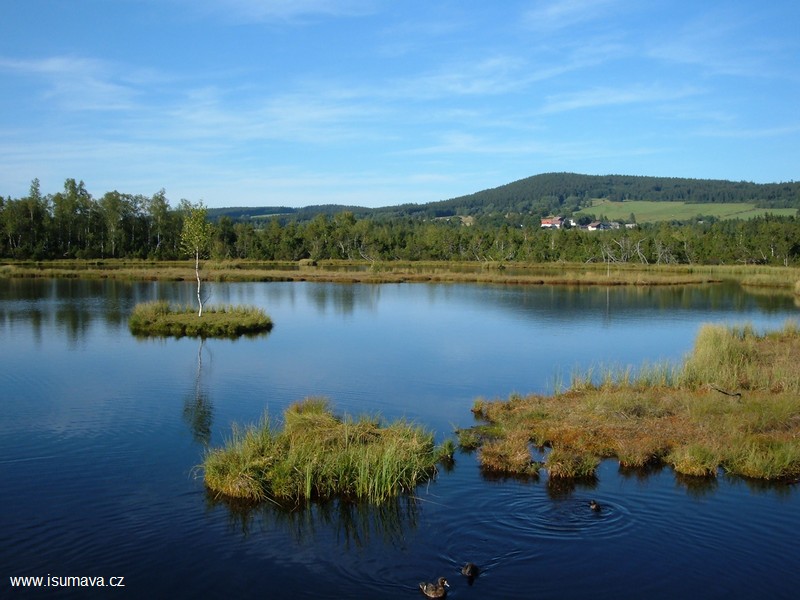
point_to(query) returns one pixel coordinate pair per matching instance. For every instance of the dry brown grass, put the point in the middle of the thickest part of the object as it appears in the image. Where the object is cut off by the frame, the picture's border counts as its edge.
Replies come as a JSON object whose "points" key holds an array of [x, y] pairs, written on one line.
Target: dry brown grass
{"points": [[756, 276], [365, 272], [692, 425]]}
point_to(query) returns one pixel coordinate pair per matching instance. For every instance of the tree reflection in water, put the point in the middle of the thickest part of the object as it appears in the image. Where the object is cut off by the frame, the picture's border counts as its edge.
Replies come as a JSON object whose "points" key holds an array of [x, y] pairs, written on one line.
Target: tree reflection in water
{"points": [[198, 410]]}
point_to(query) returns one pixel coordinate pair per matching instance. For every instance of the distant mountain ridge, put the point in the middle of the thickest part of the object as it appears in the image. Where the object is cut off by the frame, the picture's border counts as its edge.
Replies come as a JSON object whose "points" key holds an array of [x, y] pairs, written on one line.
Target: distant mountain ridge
{"points": [[557, 193]]}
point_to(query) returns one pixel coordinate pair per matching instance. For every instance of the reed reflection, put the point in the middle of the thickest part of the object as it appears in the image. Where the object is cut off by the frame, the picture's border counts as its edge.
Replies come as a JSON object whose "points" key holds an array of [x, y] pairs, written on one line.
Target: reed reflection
{"points": [[565, 488], [695, 486], [350, 524]]}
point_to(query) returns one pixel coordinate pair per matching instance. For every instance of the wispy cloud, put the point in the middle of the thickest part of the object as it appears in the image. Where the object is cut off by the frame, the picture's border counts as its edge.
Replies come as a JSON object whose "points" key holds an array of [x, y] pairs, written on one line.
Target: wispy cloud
{"points": [[722, 42], [415, 36], [318, 117], [490, 76], [607, 96], [560, 14], [75, 83], [451, 143], [281, 10], [735, 132]]}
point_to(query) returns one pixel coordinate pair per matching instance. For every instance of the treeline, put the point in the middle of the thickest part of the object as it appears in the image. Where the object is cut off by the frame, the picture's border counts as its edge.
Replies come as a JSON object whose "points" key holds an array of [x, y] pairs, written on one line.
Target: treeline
{"points": [[72, 224]]}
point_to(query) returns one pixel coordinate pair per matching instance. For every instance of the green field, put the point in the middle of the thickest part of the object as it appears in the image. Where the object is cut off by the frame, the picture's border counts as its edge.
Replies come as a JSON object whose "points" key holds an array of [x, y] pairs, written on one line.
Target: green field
{"points": [[648, 212]]}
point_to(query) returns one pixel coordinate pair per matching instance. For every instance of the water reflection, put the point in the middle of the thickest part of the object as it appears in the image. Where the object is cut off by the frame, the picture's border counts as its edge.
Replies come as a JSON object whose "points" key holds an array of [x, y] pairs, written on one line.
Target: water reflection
{"points": [[106, 422], [345, 299], [784, 489], [75, 304], [350, 524], [198, 410], [696, 486], [641, 473], [563, 489], [566, 304]]}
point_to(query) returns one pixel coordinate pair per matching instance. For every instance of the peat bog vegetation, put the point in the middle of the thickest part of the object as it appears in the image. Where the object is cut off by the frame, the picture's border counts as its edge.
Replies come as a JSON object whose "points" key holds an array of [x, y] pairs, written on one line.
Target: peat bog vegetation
{"points": [[364, 271], [160, 318], [318, 456], [733, 404]]}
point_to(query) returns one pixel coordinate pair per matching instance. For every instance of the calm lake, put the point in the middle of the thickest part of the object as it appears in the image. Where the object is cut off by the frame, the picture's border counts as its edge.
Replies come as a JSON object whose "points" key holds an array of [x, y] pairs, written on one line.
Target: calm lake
{"points": [[101, 434]]}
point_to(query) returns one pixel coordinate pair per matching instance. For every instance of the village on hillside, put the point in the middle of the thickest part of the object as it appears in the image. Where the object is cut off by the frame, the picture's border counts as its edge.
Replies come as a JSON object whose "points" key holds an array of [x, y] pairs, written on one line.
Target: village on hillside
{"points": [[561, 222]]}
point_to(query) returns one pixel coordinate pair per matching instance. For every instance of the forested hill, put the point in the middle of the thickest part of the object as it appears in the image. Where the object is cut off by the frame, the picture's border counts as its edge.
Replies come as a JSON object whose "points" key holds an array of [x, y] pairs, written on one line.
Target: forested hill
{"points": [[564, 193], [554, 193], [246, 213]]}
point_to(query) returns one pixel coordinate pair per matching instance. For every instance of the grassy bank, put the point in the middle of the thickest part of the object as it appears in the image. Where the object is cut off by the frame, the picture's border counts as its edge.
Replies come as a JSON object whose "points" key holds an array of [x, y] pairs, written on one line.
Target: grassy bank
{"points": [[319, 456], [734, 404], [159, 318], [777, 278]]}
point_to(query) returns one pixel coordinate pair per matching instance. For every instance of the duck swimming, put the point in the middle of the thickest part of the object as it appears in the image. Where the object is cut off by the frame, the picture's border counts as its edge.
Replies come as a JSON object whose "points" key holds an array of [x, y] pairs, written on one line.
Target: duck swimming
{"points": [[594, 506], [435, 590], [470, 570]]}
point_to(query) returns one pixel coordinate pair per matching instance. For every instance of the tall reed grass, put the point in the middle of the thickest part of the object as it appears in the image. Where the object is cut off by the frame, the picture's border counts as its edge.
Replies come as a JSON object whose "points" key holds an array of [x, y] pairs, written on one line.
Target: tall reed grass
{"points": [[319, 456]]}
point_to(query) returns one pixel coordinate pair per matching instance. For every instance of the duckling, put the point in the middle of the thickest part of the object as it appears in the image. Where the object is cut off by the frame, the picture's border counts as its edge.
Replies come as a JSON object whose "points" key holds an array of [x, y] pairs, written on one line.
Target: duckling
{"points": [[435, 590], [470, 570], [594, 506]]}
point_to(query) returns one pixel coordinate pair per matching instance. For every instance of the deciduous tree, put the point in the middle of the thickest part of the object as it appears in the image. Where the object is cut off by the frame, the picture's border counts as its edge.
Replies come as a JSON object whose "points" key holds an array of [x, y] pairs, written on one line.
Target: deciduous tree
{"points": [[196, 239]]}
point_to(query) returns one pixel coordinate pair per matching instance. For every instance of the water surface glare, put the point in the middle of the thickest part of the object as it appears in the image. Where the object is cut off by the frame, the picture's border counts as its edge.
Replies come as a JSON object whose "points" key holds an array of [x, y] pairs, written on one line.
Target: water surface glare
{"points": [[101, 435]]}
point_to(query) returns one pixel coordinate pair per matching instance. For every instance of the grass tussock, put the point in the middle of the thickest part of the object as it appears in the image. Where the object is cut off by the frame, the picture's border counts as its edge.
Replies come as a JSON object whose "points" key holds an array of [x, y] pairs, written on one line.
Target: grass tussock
{"points": [[160, 318], [733, 404], [509, 454], [568, 464], [318, 455]]}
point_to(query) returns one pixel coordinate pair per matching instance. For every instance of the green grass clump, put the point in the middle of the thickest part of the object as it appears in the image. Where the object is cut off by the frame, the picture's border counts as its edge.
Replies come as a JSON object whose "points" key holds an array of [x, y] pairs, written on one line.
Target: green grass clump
{"points": [[160, 318], [738, 358], [698, 459], [733, 404], [567, 464], [318, 456], [238, 471]]}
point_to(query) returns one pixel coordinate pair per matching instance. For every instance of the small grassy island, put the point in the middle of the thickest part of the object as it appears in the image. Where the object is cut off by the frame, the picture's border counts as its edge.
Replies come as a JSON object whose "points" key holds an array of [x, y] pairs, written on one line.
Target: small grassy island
{"points": [[318, 456], [733, 404], [160, 318]]}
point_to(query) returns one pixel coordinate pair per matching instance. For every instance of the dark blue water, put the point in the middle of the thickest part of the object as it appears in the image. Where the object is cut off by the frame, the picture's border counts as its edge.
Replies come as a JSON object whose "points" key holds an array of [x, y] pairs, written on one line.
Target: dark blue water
{"points": [[100, 436]]}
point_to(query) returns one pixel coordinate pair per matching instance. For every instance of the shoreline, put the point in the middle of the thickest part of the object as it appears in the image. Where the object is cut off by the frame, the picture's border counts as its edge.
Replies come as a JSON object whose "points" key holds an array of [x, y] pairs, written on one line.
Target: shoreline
{"points": [[756, 276]]}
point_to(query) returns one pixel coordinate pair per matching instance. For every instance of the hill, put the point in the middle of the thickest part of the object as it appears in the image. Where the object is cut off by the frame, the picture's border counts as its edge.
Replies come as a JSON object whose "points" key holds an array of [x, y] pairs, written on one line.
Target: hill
{"points": [[564, 194]]}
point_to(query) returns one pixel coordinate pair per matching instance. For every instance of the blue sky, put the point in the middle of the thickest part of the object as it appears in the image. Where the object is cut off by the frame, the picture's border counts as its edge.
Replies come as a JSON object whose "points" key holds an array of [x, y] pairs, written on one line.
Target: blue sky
{"points": [[382, 102]]}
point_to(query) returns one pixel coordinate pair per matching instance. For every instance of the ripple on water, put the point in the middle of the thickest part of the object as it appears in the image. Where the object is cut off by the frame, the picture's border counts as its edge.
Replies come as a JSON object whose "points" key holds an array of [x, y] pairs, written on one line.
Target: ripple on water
{"points": [[517, 517]]}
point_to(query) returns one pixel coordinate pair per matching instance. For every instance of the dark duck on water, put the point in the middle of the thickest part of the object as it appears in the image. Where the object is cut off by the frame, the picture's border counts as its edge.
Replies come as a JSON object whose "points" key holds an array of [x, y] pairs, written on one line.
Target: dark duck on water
{"points": [[435, 590], [470, 570]]}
